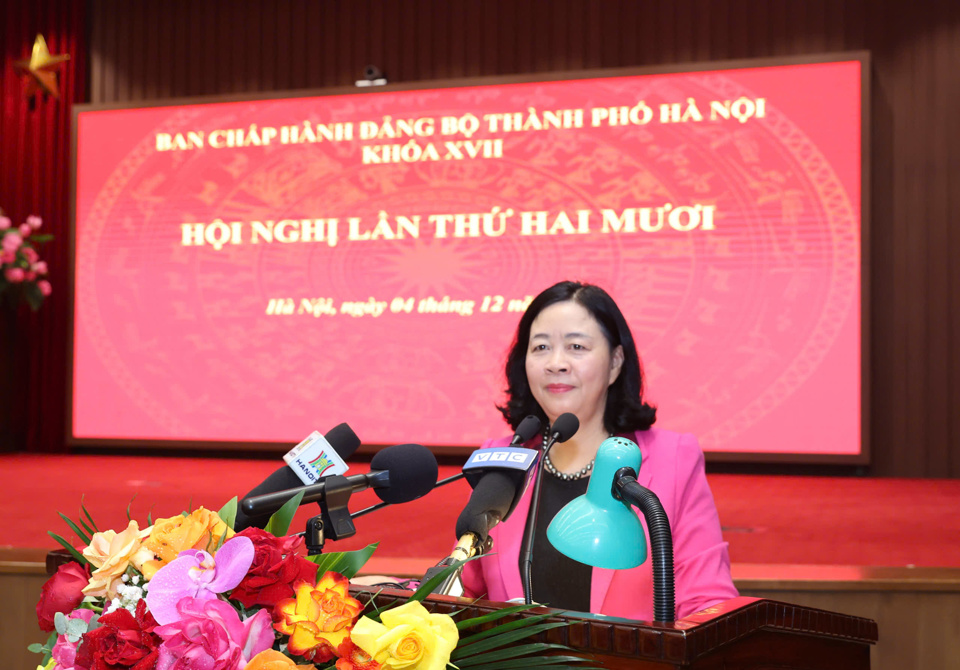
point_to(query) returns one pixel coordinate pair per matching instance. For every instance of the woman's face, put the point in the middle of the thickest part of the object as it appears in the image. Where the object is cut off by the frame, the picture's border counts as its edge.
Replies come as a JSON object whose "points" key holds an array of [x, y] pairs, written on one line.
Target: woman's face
{"points": [[569, 363]]}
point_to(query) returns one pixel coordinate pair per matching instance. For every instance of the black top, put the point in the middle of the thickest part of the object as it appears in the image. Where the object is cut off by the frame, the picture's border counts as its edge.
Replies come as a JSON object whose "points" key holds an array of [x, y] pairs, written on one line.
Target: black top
{"points": [[558, 581]]}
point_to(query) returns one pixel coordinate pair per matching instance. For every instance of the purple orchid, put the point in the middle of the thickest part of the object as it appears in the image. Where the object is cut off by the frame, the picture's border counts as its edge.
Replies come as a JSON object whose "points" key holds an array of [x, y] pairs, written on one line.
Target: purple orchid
{"points": [[196, 574]]}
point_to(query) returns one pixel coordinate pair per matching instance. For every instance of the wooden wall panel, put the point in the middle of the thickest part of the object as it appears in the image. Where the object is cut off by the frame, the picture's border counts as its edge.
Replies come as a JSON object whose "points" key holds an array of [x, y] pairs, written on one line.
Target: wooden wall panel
{"points": [[153, 50]]}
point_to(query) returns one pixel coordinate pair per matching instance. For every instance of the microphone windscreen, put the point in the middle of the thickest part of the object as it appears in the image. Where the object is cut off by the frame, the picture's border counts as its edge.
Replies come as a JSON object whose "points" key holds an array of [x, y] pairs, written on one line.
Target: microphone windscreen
{"points": [[413, 472], [489, 503], [527, 429], [565, 427], [282, 479], [343, 440]]}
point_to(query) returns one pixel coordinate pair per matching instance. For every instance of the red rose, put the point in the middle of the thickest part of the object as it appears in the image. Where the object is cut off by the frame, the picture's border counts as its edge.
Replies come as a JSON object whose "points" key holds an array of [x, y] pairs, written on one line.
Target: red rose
{"points": [[278, 564], [122, 641], [62, 593]]}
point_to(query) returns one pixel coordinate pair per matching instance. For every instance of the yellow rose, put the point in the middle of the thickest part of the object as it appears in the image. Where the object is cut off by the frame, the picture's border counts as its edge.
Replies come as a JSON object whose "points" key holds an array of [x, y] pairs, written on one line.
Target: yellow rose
{"points": [[111, 553], [200, 530], [410, 637]]}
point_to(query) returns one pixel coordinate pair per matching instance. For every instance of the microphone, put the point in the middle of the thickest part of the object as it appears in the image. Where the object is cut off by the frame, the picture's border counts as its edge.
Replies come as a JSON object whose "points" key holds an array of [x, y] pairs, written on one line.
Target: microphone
{"points": [[398, 474], [497, 476], [529, 427], [565, 427], [491, 502], [344, 442], [475, 469]]}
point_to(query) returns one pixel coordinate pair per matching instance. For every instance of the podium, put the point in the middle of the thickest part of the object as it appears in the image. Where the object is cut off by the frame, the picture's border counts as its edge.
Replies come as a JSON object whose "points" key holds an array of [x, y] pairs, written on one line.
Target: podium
{"points": [[739, 633], [749, 633]]}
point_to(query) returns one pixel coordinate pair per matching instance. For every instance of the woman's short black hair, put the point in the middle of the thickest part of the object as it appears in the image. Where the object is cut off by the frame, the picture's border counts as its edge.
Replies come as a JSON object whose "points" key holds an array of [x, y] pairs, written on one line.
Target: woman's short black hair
{"points": [[626, 410]]}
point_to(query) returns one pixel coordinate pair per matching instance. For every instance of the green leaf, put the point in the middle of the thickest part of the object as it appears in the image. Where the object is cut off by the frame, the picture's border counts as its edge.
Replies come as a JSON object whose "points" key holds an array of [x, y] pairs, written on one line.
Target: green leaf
{"points": [[493, 616], [33, 296], [504, 628], [129, 505], [503, 639], [427, 587], [87, 528], [228, 513], [41, 238], [279, 522], [347, 563], [90, 518], [69, 547], [511, 652], [533, 662], [46, 648], [75, 528]]}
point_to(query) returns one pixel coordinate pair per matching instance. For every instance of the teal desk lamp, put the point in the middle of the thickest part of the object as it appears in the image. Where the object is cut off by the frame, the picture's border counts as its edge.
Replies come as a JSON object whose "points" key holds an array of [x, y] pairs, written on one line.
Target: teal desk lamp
{"points": [[601, 529]]}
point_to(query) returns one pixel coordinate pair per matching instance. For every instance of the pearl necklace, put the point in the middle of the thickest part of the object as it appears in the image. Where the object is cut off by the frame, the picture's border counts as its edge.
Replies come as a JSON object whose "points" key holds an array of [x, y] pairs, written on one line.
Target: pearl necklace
{"points": [[584, 471]]}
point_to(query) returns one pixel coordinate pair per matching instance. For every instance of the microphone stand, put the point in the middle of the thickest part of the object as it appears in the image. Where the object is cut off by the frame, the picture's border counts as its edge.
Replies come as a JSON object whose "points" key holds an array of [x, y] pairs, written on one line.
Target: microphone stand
{"points": [[626, 488], [381, 505], [526, 548], [334, 521]]}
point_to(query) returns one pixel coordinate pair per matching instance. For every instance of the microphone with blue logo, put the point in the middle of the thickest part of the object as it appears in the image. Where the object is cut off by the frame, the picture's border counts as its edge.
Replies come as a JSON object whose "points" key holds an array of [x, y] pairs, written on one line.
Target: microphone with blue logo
{"points": [[498, 477]]}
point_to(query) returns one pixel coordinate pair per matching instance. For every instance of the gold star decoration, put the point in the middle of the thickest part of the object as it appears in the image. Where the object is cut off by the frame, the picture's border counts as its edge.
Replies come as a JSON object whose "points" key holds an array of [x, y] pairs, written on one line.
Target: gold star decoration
{"points": [[40, 68]]}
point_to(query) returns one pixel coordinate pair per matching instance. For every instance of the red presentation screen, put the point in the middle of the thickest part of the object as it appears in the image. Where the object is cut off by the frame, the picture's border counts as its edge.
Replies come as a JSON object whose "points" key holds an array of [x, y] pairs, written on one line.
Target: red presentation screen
{"points": [[251, 271]]}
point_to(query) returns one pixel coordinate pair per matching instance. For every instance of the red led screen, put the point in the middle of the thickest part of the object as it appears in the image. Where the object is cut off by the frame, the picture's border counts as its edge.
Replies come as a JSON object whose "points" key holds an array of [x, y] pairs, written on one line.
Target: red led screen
{"points": [[251, 271]]}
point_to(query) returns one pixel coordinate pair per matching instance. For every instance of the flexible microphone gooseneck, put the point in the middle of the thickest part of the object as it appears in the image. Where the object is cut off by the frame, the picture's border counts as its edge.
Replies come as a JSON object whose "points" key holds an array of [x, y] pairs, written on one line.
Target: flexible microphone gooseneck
{"points": [[565, 427]]}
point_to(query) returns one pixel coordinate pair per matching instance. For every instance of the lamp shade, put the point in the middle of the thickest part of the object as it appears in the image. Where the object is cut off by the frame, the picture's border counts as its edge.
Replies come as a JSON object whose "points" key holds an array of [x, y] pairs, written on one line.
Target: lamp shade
{"points": [[596, 528]]}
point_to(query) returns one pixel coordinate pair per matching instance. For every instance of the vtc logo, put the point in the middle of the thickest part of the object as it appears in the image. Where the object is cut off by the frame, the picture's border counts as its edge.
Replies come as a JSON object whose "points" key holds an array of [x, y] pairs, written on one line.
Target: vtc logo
{"points": [[500, 456]]}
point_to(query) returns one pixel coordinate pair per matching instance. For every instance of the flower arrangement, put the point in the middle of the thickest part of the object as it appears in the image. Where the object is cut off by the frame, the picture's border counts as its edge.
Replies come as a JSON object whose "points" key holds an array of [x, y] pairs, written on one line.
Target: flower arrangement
{"points": [[21, 270], [187, 592]]}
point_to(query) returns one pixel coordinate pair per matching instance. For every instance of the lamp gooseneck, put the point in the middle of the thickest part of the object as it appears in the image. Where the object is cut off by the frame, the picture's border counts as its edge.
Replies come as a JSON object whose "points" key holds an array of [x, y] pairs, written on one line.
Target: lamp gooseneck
{"points": [[601, 529], [626, 487]]}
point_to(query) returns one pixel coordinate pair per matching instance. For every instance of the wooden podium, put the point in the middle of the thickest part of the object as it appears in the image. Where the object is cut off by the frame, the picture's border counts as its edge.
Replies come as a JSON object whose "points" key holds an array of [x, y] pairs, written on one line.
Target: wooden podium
{"points": [[739, 633]]}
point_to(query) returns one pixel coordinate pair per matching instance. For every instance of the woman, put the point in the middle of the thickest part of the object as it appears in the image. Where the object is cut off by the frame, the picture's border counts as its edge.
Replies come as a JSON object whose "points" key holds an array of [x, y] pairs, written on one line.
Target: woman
{"points": [[573, 352]]}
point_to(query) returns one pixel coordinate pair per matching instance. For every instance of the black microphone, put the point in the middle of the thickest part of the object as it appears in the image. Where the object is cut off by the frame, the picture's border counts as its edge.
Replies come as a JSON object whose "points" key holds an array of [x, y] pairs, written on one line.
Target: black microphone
{"points": [[343, 440], [565, 427], [529, 427], [398, 474], [489, 504]]}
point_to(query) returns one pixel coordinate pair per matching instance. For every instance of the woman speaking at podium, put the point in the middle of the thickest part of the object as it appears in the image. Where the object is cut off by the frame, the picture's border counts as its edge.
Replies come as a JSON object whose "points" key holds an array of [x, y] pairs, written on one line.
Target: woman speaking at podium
{"points": [[574, 352]]}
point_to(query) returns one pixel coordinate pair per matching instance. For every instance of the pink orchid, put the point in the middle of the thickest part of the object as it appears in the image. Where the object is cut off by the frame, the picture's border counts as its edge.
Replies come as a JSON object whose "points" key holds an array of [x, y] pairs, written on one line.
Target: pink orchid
{"points": [[25, 230], [40, 267], [5, 222], [64, 651], [45, 287], [14, 275], [12, 242], [195, 574], [208, 635], [8, 256], [34, 221]]}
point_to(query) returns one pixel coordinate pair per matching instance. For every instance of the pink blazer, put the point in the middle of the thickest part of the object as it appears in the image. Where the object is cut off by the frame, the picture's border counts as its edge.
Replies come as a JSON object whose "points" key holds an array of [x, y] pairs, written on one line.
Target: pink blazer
{"points": [[671, 467]]}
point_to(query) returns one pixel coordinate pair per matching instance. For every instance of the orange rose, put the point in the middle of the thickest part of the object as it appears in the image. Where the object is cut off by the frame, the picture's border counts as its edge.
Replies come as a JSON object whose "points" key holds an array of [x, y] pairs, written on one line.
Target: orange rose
{"points": [[274, 660], [319, 618], [353, 657], [202, 529]]}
